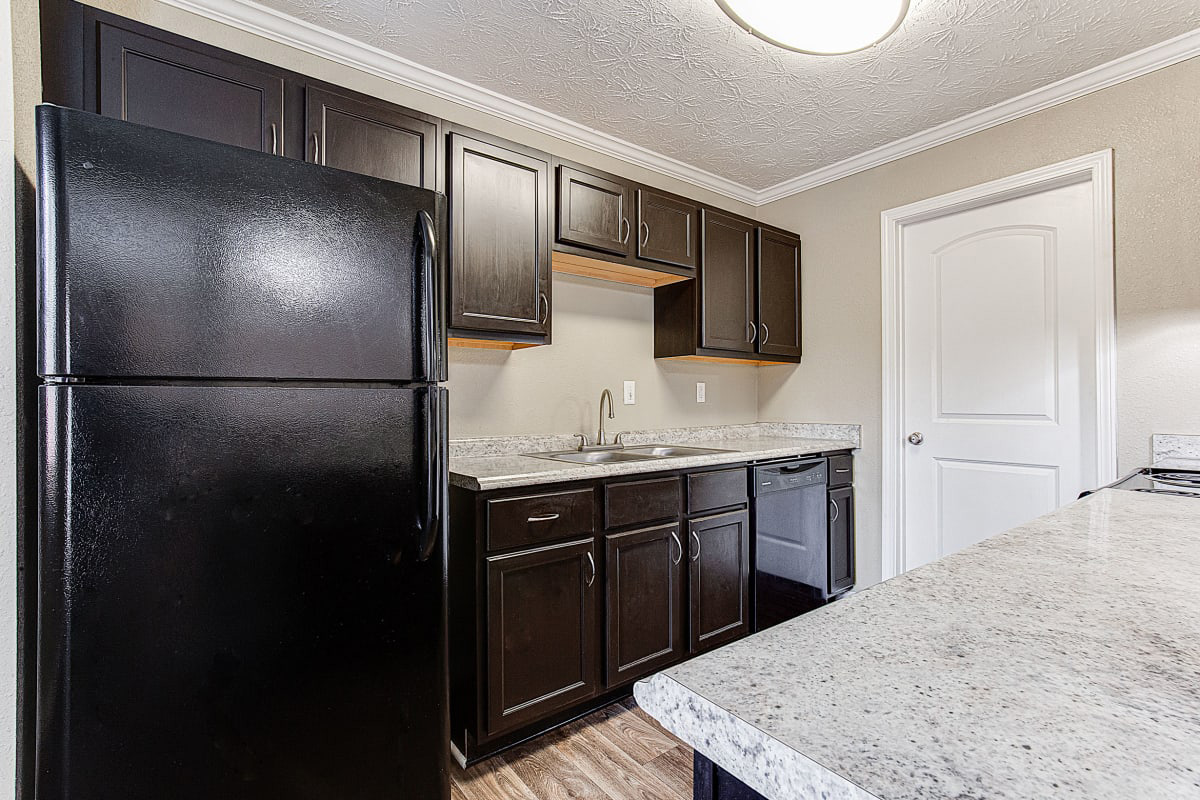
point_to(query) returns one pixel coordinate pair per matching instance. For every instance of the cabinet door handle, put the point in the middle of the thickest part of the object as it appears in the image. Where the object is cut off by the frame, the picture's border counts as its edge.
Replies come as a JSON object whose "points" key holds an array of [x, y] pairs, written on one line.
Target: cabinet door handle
{"points": [[696, 557], [624, 225], [644, 238], [543, 300], [316, 148], [543, 518], [592, 563], [766, 332], [751, 332], [837, 512], [842, 471], [274, 139], [678, 544]]}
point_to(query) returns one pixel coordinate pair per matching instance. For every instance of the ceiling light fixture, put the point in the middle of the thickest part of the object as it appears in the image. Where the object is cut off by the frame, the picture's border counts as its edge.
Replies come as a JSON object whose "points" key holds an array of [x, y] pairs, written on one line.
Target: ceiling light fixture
{"points": [[818, 27]]}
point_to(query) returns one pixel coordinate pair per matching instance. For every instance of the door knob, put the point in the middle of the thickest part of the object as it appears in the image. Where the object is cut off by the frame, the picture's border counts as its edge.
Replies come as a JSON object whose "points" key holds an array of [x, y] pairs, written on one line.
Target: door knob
{"points": [[916, 438]]}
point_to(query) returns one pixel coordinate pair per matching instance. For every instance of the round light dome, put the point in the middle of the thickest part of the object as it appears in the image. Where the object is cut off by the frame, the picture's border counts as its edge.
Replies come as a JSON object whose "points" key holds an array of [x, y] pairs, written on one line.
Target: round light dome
{"points": [[820, 27]]}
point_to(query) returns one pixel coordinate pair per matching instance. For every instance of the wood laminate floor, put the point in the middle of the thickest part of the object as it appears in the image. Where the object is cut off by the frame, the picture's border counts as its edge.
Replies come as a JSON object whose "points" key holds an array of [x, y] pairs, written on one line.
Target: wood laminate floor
{"points": [[617, 753]]}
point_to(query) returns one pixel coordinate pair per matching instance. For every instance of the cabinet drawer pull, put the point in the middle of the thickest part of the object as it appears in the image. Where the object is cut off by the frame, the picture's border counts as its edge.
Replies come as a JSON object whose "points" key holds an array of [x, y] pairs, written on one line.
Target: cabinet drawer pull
{"points": [[316, 148], [624, 225], [766, 332], [751, 331], [696, 557], [543, 518], [842, 471], [678, 544], [837, 512], [274, 139], [644, 239], [592, 563], [543, 300]]}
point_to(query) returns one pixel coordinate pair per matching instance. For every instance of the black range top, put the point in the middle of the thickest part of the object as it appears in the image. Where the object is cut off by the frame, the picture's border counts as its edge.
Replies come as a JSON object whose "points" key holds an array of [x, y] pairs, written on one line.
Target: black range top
{"points": [[1161, 480]]}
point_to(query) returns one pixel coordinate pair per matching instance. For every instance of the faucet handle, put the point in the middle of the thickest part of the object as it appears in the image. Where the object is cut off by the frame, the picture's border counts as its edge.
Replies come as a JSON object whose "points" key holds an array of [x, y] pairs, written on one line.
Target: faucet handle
{"points": [[584, 441], [619, 438]]}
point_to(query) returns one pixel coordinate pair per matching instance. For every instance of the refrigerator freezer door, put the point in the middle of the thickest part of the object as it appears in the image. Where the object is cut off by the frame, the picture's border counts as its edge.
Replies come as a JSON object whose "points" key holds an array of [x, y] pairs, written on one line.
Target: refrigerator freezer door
{"points": [[241, 594], [162, 255]]}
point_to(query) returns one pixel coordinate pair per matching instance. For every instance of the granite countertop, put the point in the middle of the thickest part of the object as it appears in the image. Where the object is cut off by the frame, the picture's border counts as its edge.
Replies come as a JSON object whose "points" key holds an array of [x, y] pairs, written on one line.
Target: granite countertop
{"points": [[497, 463], [1058, 660]]}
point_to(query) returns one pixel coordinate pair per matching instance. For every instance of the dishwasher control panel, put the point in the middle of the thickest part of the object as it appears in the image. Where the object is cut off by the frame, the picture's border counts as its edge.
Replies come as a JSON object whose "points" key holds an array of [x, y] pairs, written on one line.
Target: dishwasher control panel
{"points": [[790, 475]]}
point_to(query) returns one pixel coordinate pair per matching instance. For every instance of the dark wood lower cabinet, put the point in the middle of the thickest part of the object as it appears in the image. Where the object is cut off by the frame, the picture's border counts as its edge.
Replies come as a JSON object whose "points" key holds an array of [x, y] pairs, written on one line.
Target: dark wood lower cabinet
{"points": [[841, 539], [644, 601], [710, 782], [719, 580], [541, 632]]}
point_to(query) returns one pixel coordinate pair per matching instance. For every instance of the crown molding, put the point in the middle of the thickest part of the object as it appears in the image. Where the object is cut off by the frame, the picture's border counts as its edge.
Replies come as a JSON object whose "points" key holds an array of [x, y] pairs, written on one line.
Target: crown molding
{"points": [[1134, 65], [279, 27], [276, 26]]}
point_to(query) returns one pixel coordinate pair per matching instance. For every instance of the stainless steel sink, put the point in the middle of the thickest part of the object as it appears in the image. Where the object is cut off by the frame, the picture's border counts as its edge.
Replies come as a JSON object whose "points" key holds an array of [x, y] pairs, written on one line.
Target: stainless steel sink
{"points": [[649, 452], [672, 450], [595, 456]]}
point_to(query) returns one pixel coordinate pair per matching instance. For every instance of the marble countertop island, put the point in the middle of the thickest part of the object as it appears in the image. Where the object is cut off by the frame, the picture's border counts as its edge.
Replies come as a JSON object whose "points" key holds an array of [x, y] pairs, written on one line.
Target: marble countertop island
{"points": [[1058, 660]]}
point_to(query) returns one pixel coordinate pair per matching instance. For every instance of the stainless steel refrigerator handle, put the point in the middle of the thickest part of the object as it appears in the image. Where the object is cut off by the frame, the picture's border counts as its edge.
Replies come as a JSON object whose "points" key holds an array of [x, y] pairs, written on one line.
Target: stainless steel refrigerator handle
{"points": [[592, 562], [697, 538], [837, 512], [678, 544], [429, 275]]}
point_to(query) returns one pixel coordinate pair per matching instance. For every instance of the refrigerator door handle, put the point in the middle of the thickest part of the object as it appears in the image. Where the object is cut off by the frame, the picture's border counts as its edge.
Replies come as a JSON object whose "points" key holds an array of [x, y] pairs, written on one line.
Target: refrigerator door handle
{"points": [[435, 482], [429, 277]]}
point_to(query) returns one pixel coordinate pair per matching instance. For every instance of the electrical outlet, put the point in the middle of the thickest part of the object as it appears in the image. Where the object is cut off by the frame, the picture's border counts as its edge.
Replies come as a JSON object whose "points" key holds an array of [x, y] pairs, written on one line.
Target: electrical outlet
{"points": [[699, 391], [630, 393]]}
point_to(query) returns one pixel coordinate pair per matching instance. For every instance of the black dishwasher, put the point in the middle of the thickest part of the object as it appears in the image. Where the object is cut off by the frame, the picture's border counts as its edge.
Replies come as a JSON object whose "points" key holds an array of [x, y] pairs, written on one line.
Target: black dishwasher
{"points": [[793, 550]]}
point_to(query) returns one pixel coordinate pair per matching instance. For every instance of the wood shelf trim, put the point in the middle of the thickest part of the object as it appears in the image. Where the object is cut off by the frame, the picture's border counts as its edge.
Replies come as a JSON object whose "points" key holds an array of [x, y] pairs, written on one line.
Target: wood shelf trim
{"points": [[488, 344], [746, 362], [585, 267]]}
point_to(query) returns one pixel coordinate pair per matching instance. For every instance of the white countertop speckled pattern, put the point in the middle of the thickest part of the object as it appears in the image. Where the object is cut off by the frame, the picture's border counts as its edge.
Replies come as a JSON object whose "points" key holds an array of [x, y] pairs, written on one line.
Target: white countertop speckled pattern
{"points": [[498, 463], [1171, 446], [1057, 661]]}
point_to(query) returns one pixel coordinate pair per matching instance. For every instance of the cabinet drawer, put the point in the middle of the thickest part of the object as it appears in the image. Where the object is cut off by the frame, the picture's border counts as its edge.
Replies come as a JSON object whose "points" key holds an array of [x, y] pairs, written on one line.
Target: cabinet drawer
{"points": [[841, 470], [634, 502], [719, 489], [514, 521]]}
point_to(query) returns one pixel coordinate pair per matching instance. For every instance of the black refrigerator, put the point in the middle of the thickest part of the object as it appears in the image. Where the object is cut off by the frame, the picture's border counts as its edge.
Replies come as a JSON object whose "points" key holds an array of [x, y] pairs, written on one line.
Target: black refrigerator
{"points": [[242, 584]]}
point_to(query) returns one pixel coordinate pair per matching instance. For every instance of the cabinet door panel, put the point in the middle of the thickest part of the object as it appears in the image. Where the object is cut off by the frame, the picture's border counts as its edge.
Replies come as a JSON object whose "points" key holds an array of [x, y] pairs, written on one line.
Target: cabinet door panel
{"points": [[541, 633], [666, 230], [841, 539], [153, 83], [500, 254], [375, 138], [726, 283], [644, 626], [719, 553], [593, 212], [778, 293]]}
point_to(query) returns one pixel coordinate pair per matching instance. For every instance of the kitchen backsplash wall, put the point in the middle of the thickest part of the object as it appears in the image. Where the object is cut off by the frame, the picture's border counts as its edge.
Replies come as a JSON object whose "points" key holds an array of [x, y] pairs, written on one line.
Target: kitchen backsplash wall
{"points": [[603, 336]]}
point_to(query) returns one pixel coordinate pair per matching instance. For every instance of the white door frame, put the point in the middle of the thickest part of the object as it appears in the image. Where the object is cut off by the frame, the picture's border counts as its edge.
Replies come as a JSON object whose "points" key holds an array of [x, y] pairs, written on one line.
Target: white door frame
{"points": [[1098, 169]]}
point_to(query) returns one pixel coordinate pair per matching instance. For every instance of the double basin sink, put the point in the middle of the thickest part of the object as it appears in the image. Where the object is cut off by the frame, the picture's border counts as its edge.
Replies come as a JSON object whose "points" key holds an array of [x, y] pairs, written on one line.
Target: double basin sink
{"points": [[649, 452]]}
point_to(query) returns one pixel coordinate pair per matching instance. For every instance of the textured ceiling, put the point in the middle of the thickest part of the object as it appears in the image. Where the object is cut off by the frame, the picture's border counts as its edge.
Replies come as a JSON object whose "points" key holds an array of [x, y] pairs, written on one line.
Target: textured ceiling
{"points": [[679, 78]]}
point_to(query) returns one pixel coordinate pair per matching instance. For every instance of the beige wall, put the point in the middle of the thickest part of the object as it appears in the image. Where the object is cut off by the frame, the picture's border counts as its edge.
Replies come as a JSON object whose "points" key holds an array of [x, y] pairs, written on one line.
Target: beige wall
{"points": [[1153, 126], [603, 335], [602, 332]]}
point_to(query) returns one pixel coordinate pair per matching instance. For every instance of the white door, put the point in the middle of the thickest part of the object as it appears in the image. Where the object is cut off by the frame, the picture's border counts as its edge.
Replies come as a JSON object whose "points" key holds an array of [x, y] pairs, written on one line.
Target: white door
{"points": [[999, 388]]}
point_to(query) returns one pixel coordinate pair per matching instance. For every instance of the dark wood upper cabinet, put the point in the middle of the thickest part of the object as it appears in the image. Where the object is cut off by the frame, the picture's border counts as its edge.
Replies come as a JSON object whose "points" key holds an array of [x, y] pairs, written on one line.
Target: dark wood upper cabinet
{"points": [[369, 137], [719, 579], [666, 229], [541, 632], [500, 238], [727, 282], [778, 293], [841, 539], [593, 211], [155, 83], [645, 620]]}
